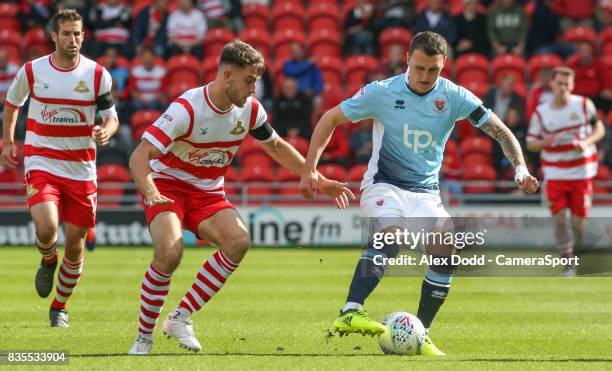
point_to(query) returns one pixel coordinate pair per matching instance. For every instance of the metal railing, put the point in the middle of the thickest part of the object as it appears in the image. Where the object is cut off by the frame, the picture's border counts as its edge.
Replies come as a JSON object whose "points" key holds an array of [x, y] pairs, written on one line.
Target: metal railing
{"points": [[125, 195]]}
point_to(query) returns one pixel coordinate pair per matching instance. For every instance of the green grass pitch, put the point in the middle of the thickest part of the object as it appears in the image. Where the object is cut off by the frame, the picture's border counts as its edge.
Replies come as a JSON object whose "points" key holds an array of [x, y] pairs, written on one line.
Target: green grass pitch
{"points": [[275, 311]]}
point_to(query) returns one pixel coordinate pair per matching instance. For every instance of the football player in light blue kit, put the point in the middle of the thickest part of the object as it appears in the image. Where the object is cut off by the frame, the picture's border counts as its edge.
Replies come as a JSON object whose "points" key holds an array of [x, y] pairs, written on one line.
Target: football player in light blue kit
{"points": [[414, 115]]}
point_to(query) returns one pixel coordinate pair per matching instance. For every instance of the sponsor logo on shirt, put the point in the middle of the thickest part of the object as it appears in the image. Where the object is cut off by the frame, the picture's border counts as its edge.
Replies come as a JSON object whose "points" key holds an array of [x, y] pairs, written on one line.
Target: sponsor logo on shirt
{"points": [[420, 141], [400, 104], [62, 115], [209, 158], [81, 87]]}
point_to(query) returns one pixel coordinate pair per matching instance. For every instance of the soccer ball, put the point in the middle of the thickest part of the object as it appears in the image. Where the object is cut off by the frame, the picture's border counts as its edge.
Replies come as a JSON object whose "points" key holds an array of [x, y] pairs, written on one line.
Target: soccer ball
{"points": [[404, 334]]}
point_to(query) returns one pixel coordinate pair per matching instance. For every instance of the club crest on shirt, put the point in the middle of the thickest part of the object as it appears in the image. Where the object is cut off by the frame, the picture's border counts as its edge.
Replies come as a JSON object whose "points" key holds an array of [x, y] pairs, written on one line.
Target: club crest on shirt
{"points": [[440, 105], [239, 128], [81, 87], [380, 202], [574, 116]]}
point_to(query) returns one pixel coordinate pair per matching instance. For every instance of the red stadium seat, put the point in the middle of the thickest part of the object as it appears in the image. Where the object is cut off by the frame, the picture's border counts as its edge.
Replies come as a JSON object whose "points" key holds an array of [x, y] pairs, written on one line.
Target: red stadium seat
{"points": [[575, 9], [183, 68], [479, 89], [359, 67], [451, 166], [209, 69], [215, 40], [355, 176], [10, 41], [324, 43], [8, 16], [472, 68], [177, 89], [120, 61], [476, 158], [250, 146], [540, 61], [352, 89], [256, 16], [256, 159], [331, 69], [391, 36], [580, 33], [476, 144], [508, 64], [607, 61], [261, 175], [282, 40], [485, 173], [332, 95], [286, 15], [36, 38], [109, 195], [289, 187], [258, 38], [324, 16], [333, 171], [231, 182], [141, 121], [606, 41], [298, 143], [447, 70]]}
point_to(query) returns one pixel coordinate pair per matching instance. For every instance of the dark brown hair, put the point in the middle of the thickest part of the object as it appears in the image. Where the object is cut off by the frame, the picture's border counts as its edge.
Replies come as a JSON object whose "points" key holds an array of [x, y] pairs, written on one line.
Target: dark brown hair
{"points": [[563, 71], [240, 54], [63, 16], [430, 43]]}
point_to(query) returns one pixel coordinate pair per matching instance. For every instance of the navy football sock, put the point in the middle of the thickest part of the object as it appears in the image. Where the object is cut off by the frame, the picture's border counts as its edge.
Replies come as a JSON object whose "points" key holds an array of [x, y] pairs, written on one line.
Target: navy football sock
{"points": [[433, 293]]}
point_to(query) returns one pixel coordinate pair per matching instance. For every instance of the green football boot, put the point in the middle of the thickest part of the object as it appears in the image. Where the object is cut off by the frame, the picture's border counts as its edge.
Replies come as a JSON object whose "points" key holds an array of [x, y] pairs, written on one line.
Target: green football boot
{"points": [[357, 321], [430, 349]]}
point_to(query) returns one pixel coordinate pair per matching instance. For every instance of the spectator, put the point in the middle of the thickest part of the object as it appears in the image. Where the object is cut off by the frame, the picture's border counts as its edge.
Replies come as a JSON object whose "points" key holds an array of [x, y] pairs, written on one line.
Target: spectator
{"points": [[338, 150], [591, 76], [292, 111], [361, 142], [8, 70], [33, 13], [112, 23], [544, 31], [502, 98], [264, 90], [471, 24], [150, 28], [147, 83], [186, 30], [214, 12], [396, 13], [305, 71], [507, 27], [435, 19], [119, 74], [360, 29], [539, 92], [396, 63], [605, 15]]}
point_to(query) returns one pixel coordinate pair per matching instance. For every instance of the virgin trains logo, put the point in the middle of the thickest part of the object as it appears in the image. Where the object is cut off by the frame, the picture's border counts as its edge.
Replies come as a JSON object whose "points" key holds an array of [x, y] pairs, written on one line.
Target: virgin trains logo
{"points": [[209, 158], [62, 115]]}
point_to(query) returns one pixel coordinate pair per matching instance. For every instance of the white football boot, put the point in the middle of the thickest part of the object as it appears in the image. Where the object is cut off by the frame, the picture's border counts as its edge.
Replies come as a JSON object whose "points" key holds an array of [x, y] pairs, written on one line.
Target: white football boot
{"points": [[182, 330], [142, 346]]}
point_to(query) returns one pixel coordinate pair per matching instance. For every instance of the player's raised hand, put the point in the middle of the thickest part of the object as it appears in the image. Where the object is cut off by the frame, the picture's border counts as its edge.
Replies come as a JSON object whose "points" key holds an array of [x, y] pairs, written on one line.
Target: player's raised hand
{"points": [[100, 135], [526, 182], [336, 190], [8, 156], [157, 199], [309, 184]]}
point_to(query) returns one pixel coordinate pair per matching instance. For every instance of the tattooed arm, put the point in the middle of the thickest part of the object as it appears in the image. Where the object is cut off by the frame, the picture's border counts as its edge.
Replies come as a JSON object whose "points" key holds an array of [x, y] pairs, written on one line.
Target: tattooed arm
{"points": [[497, 130]]}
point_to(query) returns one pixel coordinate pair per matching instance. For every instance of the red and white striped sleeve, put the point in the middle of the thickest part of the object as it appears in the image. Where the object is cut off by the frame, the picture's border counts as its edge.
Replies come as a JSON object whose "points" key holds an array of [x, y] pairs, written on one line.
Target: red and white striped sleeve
{"points": [[175, 122], [19, 89], [535, 131]]}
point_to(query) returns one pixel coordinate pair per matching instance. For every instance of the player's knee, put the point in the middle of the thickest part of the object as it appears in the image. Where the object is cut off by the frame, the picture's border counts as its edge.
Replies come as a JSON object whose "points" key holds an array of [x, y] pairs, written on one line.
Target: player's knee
{"points": [[46, 231], [170, 258], [237, 246]]}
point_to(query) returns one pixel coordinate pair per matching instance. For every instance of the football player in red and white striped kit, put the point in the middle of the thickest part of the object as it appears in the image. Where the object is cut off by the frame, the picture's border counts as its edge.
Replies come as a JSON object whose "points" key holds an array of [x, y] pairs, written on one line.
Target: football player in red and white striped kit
{"points": [[565, 130], [179, 167], [65, 90]]}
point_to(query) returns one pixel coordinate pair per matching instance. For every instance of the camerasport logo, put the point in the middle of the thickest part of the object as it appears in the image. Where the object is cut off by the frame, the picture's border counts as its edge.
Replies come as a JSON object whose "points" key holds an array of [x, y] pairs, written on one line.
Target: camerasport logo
{"points": [[62, 115], [215, 157]]}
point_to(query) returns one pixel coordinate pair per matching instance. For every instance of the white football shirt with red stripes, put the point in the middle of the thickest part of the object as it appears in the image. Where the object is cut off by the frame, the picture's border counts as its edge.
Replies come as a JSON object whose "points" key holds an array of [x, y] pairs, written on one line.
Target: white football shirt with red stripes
{"points": [[61, 115], [198, 141], [561, 161]]}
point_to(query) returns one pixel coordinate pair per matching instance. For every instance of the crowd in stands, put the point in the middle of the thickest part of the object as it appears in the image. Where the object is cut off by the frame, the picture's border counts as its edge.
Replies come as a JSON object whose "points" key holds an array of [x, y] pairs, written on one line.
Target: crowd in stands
{"points": [[320, 52]]}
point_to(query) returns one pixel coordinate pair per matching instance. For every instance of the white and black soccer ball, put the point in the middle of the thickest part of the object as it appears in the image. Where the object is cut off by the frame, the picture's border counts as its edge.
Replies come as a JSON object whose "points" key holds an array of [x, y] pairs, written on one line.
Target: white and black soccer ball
{"points": [[404, 334]]}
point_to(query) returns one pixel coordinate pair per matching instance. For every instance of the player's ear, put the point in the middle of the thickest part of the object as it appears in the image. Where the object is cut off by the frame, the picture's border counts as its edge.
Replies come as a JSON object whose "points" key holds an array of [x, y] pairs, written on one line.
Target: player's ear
{"points": [[53, 36]]}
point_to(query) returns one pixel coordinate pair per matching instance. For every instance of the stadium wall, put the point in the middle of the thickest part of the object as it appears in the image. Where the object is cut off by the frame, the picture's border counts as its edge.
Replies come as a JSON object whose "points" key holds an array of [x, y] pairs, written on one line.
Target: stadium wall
{"points": [[317, 226]]}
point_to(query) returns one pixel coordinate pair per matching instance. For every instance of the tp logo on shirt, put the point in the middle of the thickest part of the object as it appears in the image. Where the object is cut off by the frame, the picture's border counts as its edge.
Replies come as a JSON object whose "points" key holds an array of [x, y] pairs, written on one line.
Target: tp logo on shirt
{"points": [[418, 140]]}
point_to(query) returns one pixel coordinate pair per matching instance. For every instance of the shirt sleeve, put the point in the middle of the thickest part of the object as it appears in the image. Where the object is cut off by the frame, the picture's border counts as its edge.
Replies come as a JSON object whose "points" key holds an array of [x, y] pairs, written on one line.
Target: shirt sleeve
{"points": [[173, 123], [468, 106], [260, 120], [107, 82], [591, 111], [361, 105], [535, 131], [19, 89]]}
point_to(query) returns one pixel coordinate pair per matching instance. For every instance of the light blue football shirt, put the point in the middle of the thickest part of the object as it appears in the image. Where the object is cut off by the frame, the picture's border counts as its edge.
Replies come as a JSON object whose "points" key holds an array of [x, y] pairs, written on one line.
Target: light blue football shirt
{"points": [[410, 130]]}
